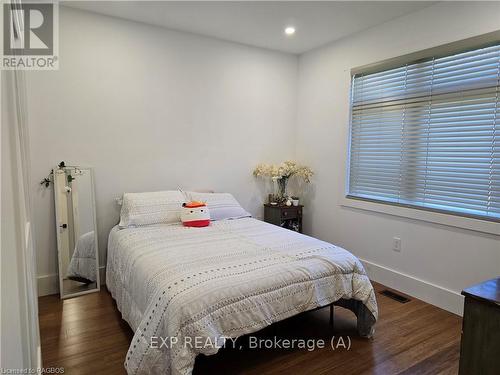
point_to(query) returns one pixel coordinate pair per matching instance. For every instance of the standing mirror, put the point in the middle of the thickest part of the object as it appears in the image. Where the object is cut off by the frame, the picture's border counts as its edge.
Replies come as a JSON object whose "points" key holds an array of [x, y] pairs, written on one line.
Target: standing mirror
{"points": [[76, 231]]}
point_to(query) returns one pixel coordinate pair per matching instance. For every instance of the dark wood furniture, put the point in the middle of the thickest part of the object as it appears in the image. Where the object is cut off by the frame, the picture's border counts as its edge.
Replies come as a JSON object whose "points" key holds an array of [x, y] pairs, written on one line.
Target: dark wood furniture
{"points": [[480, 347], [289, 217]]}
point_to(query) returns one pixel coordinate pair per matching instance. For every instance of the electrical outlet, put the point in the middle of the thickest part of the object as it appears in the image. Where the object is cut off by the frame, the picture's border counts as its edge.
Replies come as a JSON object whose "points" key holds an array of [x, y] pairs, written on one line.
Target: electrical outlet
{"points": [[396, 244]]}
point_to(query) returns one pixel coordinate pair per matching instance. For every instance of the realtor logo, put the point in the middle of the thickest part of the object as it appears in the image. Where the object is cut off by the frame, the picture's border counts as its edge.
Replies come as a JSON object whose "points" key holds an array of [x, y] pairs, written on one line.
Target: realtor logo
{"points": [[30, 36]]}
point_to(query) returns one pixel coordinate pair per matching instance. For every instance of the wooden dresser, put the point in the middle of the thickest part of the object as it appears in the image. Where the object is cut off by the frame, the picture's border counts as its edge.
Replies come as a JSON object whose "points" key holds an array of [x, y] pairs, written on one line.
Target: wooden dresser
{"points": [[289, 217], [480, 347]]}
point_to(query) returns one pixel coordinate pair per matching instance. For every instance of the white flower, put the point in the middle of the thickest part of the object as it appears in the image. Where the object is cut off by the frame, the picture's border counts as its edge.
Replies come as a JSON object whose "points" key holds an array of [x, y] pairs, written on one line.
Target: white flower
{"points": [[286, 169]]}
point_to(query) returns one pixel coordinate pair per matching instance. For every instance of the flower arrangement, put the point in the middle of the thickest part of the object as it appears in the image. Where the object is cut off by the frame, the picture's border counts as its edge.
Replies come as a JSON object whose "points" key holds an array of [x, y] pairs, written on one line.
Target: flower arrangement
{"points": [[280, 173], [286, 169]]}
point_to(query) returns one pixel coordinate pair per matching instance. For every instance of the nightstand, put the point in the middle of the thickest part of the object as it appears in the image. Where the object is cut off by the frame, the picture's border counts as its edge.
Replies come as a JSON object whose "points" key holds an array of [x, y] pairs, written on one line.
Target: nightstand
{"points": [[289, 217], [479, 352]]}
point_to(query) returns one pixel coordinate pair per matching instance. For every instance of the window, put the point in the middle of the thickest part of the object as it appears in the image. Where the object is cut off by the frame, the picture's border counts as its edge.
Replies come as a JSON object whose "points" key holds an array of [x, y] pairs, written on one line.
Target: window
{"points": [[427, 134]]}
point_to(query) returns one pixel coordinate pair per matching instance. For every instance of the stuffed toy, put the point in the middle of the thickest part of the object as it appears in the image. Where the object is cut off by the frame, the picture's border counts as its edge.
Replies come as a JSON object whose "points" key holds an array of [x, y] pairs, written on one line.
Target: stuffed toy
{"points": [[195, 214]]}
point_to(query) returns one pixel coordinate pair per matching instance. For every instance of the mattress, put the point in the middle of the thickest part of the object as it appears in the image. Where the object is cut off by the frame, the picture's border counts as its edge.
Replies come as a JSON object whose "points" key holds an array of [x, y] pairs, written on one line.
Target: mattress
{"points": [[231, 278]]}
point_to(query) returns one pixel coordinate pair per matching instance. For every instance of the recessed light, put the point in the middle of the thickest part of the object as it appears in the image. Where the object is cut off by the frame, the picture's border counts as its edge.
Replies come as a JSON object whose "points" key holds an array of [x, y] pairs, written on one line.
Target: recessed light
{"points": [[290, 30]]}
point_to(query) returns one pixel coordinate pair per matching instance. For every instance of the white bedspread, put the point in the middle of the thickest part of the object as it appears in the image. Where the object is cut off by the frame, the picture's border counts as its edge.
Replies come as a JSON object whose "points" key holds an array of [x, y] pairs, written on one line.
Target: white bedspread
{"points": [[226, 280]]}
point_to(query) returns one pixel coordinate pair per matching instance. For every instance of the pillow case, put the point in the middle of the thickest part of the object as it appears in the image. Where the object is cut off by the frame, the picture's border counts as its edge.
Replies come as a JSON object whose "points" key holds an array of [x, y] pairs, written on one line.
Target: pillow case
{"points": [[159, 207], [222, 206]]}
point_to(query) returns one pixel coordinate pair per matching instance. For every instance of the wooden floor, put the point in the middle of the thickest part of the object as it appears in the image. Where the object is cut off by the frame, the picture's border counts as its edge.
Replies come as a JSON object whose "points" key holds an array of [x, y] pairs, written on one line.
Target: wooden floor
{"points": [[86, 335]]}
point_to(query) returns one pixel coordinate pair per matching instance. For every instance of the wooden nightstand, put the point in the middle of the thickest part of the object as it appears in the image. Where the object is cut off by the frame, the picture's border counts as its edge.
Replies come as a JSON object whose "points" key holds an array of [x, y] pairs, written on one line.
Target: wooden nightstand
{"points": [[289, 217], [479, 353]]}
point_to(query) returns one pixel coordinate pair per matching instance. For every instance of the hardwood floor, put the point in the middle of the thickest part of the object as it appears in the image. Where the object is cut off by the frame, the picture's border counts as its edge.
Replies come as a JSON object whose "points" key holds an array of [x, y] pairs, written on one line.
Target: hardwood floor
{"points": [[86, 335]]}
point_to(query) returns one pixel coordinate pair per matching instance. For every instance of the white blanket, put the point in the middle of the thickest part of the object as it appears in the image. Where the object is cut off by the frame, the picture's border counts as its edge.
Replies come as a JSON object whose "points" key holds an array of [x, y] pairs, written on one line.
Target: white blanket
{"points": [[226, 280]]}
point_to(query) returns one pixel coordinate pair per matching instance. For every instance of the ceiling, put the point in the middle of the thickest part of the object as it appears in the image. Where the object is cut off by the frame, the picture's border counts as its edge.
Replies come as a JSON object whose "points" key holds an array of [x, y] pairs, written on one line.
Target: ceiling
{"points": [[261, 23]]}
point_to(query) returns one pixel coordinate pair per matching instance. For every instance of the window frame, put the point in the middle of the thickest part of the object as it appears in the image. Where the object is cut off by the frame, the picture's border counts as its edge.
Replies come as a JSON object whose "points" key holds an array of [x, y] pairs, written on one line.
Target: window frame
{"points": [[444, 217]]}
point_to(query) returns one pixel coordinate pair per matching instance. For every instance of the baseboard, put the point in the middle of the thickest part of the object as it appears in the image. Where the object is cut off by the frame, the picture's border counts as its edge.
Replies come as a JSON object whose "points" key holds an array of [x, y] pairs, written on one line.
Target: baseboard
{"points": [[49, 284], [427, 292], [39, 359]]}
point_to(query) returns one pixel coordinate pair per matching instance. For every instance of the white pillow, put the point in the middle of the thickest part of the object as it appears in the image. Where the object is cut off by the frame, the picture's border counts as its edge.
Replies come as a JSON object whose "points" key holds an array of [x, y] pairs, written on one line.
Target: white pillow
{"points": [[221, 205], [160, 207]]}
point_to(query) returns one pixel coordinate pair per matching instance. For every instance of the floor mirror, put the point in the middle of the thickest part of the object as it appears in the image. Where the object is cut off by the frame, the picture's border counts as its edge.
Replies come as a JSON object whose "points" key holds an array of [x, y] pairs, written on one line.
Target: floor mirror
{"points": [[76, 231]]}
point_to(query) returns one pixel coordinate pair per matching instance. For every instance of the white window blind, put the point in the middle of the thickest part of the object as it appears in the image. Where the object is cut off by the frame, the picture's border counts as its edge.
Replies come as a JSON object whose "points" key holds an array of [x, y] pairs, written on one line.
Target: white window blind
{"points": [[427, 134]]}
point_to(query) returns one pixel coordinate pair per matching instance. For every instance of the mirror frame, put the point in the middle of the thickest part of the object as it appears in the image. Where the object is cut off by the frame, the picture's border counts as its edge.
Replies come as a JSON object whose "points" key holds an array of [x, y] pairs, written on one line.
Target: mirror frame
{"points": [[58, 233]]}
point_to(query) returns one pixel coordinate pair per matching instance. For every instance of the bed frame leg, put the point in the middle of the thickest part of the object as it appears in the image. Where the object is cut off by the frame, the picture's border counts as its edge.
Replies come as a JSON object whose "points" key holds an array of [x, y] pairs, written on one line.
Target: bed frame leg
{"points": [[331, 315]]}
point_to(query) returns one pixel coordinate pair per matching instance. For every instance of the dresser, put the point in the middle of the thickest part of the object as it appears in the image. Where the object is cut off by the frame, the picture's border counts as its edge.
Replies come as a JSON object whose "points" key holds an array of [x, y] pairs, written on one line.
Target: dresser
{"points": [[480, 346], [289, 217]]}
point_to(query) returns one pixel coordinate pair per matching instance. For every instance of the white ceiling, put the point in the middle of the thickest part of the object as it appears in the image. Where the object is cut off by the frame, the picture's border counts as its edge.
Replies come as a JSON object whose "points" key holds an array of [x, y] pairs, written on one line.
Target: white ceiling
{"points": [[261, 23]]}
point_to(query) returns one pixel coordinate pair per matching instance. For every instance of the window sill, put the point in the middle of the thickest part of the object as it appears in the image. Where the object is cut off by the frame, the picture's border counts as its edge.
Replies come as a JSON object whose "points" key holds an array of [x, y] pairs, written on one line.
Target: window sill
{"points": [[477, 225]]}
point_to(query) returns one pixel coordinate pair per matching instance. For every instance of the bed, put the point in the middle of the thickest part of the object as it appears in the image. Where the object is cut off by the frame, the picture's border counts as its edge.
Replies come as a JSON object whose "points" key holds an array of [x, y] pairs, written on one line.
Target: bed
{"points": [[82, 266], [229, 279]]}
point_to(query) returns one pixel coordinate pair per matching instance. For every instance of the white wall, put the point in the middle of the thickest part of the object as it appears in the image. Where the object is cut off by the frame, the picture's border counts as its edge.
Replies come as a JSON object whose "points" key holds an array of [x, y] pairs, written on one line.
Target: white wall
{"points": [[19, 308], [436, 262], [13, 354], [153, 109]]}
